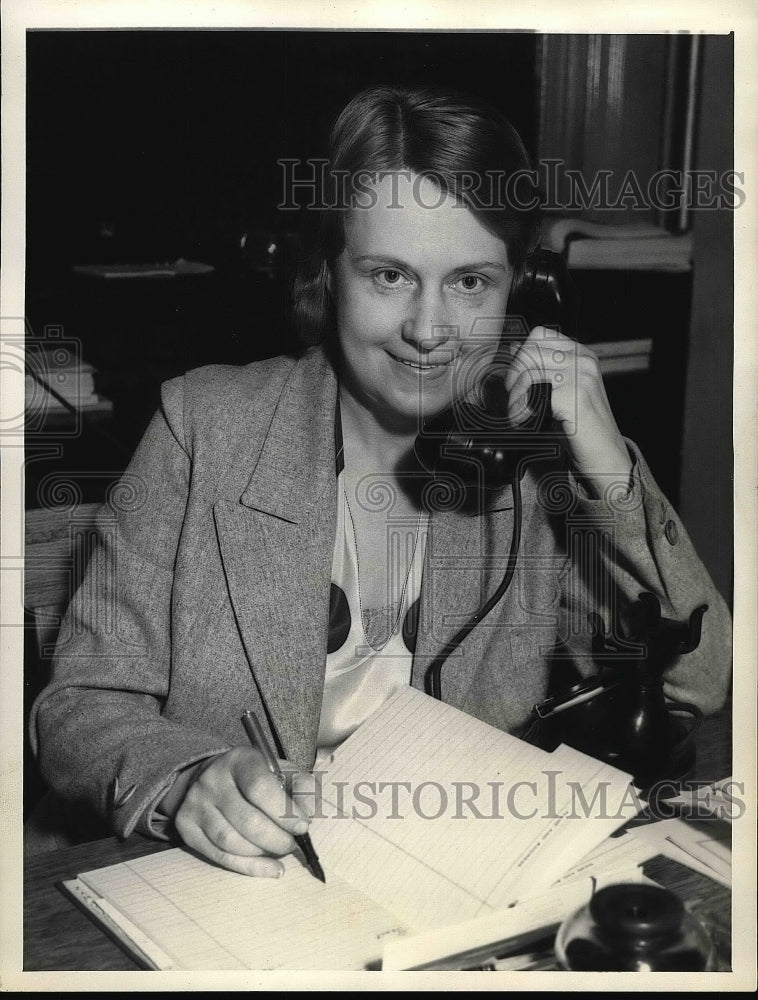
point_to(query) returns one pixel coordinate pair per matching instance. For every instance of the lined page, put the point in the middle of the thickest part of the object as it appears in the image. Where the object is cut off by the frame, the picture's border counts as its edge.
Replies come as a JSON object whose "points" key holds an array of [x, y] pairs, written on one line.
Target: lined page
{"points": [[204, 917], [465, 833], [428, 817]]}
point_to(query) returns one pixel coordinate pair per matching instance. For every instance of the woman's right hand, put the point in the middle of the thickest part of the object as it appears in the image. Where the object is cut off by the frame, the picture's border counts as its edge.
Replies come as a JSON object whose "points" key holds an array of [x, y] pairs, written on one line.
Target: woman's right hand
{"points": [[236, 814]]}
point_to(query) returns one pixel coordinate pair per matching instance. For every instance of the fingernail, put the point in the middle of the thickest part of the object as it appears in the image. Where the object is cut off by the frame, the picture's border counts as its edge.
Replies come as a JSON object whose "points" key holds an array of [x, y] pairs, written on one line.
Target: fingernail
{"points": [[274, 872], [300, 827]]}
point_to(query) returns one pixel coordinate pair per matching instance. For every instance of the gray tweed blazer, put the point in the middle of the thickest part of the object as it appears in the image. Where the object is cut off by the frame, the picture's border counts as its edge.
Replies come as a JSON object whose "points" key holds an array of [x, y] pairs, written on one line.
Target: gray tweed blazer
{"points": [[209, 591]]}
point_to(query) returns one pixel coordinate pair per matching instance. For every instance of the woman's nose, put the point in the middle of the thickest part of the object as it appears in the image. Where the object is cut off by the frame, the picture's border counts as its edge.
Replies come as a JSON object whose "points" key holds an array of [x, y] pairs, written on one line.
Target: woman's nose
{"points": [[426, 328]]}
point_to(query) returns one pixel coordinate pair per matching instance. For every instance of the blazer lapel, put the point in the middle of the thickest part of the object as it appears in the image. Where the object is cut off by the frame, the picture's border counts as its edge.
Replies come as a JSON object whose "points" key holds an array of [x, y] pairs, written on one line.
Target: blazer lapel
{"points": [[276, 542]]}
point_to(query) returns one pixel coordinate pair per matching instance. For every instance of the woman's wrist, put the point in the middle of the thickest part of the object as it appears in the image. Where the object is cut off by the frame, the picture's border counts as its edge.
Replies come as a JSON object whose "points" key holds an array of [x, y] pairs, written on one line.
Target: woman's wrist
{"points": [[174, 796], [616, 471]]}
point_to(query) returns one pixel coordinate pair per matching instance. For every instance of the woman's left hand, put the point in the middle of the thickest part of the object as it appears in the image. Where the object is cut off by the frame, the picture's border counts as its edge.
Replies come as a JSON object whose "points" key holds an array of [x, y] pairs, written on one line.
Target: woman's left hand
{"points": [[579, 405]]}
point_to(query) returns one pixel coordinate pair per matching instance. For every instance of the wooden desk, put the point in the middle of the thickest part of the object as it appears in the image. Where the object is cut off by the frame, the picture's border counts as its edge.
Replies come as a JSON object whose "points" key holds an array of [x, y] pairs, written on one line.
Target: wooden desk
{"points": [[58, 937]]}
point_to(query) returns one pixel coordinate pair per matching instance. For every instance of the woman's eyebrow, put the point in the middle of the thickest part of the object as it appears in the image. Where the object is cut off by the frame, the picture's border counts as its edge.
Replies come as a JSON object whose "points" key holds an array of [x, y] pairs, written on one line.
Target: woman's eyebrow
{"points": [[373, 258], [480, 265]]}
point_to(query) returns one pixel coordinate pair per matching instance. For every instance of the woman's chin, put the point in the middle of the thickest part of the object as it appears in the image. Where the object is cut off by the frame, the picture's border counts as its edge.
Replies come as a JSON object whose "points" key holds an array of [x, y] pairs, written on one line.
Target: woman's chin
{"points": [[416, 413]]}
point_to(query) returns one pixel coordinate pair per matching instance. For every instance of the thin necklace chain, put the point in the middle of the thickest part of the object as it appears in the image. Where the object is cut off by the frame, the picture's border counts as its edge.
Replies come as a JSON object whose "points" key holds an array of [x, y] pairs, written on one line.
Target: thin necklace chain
{"points": [[407, 572]]}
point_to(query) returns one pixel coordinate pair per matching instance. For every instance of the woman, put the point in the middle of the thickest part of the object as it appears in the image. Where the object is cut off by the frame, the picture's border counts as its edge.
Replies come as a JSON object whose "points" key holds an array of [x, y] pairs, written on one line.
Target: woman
{"points": [[284, 550]]}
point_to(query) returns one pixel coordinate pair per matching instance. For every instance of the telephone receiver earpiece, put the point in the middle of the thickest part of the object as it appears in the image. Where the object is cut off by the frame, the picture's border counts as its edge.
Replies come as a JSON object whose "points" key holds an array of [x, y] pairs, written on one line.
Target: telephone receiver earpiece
{"points": [[544, 294]]}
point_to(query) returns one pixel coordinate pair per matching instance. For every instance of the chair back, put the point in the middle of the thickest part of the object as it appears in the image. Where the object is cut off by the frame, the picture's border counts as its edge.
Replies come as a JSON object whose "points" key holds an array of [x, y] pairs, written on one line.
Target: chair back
{"points": [[59, 543]]}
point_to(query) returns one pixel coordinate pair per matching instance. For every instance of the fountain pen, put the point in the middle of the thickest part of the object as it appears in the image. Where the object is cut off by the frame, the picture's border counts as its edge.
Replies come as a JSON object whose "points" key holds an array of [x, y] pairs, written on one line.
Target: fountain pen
{"points": [[259, 742]]}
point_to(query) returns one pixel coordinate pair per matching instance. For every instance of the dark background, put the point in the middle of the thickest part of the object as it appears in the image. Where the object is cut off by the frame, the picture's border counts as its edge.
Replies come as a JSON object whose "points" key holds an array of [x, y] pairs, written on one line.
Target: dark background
{"points": [[147, 146], [171, 138]]}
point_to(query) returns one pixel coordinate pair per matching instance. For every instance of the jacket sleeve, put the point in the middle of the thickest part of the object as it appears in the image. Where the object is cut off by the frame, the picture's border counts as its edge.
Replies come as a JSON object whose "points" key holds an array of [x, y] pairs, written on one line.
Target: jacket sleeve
{"points": [[97, 728], [631, 541]]}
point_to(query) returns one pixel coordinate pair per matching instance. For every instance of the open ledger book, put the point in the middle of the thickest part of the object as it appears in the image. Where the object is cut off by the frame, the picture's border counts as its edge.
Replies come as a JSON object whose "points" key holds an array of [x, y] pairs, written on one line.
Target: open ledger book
{"points": [[427, 818]]}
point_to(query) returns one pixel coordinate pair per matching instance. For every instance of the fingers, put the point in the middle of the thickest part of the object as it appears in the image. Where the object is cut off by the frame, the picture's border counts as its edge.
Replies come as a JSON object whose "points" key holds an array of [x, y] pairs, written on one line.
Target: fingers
{"points": [[544, 353], [548, 356], [306, 791], [238, 856], [236, 812], [519, 411], [277, 813], [579, 405]]}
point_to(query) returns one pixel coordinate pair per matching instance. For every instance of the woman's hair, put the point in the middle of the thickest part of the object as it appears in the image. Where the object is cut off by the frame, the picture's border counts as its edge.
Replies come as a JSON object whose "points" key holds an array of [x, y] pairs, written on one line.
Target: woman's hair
{"points": [[465, 146]]}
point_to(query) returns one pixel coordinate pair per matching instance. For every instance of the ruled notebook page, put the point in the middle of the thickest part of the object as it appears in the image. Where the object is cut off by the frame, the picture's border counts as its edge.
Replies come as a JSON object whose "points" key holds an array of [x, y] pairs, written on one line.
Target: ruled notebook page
{"points": [[207, 918], [427, 818], [465, 834]]}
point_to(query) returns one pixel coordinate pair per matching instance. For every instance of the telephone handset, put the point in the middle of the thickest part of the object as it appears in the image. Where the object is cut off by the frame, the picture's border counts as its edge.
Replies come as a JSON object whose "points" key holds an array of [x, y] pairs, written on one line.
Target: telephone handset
{"points": [[474, 440]]}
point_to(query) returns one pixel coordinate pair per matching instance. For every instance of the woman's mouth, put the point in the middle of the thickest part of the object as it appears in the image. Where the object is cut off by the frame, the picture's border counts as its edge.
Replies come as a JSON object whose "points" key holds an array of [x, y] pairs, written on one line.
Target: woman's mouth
{"points": [[420, 366]]}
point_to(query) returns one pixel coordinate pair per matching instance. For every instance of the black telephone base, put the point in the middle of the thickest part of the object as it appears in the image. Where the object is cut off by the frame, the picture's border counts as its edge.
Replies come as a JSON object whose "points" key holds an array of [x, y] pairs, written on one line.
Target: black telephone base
{"points": [[591, 728]]}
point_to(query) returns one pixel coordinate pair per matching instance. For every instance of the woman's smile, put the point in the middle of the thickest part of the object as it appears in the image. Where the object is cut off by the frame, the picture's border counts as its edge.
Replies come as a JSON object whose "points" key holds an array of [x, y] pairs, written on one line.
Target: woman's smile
{"points": [[422, 366]]}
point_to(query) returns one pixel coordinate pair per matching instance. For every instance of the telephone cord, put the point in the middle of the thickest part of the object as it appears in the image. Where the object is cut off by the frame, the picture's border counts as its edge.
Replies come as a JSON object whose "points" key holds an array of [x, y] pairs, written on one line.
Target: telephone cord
{"points": [[432, 676]]}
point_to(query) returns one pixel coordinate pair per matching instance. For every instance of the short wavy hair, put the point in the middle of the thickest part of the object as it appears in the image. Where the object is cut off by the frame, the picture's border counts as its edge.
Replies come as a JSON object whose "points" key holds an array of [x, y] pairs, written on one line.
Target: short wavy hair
{"points": [[463, 144]]}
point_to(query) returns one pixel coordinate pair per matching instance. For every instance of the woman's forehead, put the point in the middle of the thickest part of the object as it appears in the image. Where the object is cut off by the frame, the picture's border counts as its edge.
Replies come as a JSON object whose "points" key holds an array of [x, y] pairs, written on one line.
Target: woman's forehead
{"points": [[408, 214]]}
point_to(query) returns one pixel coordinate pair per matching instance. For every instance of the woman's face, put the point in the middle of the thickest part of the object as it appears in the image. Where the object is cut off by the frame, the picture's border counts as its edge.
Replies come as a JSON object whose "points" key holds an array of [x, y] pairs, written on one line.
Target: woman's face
{"points": [[421, 289]]}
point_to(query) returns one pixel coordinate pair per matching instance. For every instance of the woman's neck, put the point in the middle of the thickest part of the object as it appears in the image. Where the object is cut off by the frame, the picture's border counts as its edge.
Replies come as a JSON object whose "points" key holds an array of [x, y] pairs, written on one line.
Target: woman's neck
{"points": [[370, 441]]}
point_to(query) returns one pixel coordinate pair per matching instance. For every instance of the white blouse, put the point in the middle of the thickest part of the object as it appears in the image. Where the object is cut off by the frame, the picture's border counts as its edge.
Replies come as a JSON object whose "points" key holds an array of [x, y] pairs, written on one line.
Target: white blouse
{"points": [[360, 676]]}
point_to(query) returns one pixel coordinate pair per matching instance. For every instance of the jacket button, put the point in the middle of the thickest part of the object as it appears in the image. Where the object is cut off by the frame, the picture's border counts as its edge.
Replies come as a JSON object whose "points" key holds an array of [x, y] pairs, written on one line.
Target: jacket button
{"points": [[671, 532], [119, 797]]}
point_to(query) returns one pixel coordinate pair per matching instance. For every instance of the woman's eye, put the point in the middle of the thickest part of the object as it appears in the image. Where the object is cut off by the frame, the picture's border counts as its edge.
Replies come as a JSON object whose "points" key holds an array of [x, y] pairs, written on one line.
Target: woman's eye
{"points": [[471, 283], [389, 276]]}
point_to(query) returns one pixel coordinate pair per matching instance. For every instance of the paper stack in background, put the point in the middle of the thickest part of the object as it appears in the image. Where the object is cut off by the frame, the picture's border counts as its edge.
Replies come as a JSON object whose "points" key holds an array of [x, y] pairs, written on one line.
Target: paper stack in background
{"points": [[64, 371], [632, 246]]}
